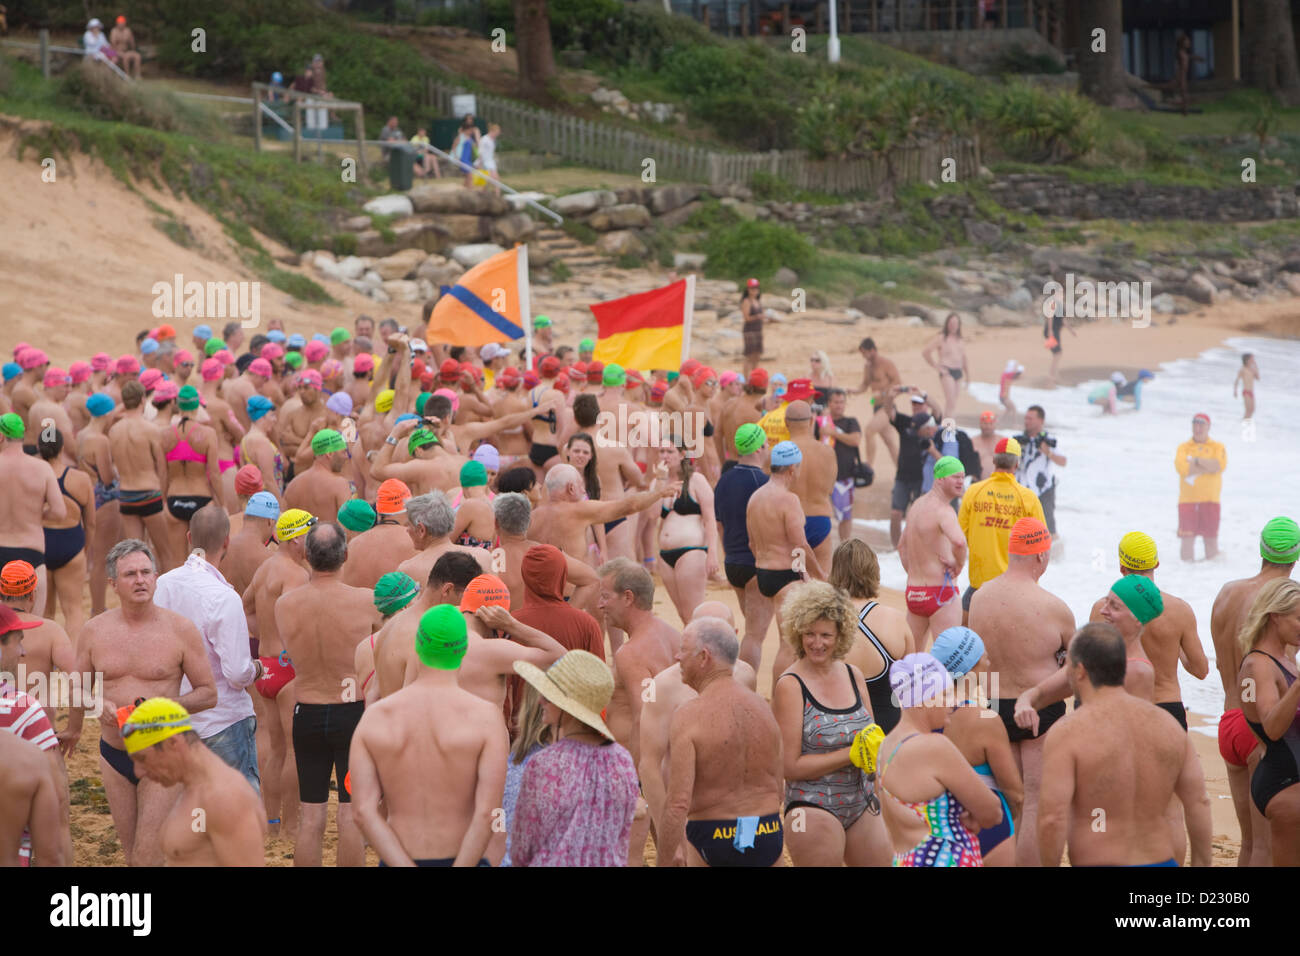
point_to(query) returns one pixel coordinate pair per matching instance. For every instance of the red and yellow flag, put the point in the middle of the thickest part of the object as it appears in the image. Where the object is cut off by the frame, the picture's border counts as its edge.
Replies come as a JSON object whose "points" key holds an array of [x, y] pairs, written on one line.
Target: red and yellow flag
{"points": [[647, 330], [489, 303]]}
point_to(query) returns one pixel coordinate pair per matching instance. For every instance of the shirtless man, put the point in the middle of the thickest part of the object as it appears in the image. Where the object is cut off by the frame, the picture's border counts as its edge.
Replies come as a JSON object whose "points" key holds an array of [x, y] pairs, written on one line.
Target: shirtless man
{"points": [[436, 754], [122, 40], [489, 660], [681, 394], [627, 600], [1246, 378], [1026, 630], [142, 650], [563, 519], [34, 363], [933, 552], [431, 520], [31, 497], [1168, 638], [431, 466], [1119, 755], [49, 407], [986, 441], [258, 449], [725, 771], [879, 377], [166, 750], [136, 447], [776, 525], [279, 574], [248, 549], [326, 709], [506, 399], [322, 489], [513, 515], [387, 545], [298, 422], [814, 481], [239, 390], [1279, 547], [28, 803], [741, 409]]}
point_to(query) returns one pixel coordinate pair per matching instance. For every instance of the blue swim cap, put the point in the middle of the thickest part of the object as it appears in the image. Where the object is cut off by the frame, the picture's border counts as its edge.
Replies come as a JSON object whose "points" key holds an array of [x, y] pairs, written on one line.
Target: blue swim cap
{"points": [[404, 417], [786, 453], [275, 335], [148, 347], [99, 404], [296, 341], [203, 332], [958, 649], [262, 505], [12, 370], [277, 77], [258, 406], [321, 337], [1146, 373]]}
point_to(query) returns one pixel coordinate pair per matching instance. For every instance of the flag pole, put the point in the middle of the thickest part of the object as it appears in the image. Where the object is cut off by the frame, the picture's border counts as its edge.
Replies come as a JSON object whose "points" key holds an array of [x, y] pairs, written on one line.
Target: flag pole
{"points": [[525, 306], [688, 311]]}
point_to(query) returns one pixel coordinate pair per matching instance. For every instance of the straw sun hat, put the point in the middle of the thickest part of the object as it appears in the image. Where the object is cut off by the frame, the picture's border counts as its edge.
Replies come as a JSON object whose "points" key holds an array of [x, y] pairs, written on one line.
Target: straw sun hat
{"points": [[579, 683]]}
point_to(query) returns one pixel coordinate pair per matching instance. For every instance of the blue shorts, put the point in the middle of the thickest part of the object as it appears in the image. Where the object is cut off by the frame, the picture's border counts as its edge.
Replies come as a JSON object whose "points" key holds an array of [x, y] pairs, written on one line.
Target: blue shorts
{"points": [[816, 529], [237, 746]]}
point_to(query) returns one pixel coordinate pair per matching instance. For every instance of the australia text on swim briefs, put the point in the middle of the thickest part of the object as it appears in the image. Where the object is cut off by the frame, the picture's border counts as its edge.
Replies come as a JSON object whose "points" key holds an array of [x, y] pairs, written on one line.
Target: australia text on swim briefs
{"points": [[60, 689], [208, 300], [1085, 299], [650, 429], [131, 910]]}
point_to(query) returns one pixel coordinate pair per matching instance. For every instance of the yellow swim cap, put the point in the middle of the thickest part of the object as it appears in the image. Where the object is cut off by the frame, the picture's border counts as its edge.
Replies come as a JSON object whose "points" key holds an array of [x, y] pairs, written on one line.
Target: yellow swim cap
{"points": [[866, 747], [384, 400], [293, 523], [152, 722], [1137, 551]]}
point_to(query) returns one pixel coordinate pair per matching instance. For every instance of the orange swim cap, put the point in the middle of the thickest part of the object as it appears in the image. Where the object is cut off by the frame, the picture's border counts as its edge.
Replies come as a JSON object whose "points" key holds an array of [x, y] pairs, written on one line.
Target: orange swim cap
{"points": [[485, 589], [1030, 536], [18, 579], [391, 497], [347, 782]]}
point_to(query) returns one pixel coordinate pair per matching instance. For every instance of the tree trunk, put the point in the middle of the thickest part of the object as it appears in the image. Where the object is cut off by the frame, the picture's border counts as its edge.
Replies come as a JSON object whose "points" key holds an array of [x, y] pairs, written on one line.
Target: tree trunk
{"points": [[533, 47], [1269, 57], [1101, 75]]}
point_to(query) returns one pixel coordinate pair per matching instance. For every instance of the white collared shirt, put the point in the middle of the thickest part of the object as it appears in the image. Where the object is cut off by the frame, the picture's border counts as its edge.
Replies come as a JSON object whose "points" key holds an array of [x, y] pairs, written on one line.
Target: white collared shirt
{"points": [[197, 591]]}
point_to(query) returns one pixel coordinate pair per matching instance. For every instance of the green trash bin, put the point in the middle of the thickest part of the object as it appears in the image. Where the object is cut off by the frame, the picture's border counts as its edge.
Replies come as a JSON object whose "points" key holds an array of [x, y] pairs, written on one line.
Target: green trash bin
{"points": [[401, 168]]}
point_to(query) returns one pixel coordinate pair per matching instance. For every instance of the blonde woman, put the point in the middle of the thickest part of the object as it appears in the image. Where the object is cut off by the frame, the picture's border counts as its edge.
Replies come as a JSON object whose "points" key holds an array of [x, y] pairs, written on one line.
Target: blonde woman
{"points": [[533, 734], [1269, 639], [832, 812], [822, 376]]}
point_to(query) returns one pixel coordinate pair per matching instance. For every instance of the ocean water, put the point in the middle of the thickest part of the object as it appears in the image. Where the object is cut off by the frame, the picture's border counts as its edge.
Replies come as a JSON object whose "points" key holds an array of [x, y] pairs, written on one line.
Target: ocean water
{"points": [[1120, 477]]}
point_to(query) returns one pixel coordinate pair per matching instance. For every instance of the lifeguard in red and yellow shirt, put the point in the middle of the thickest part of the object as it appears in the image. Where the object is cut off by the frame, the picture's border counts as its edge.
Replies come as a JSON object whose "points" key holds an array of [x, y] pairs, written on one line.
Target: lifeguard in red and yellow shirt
{"points": [[1200, 463]]}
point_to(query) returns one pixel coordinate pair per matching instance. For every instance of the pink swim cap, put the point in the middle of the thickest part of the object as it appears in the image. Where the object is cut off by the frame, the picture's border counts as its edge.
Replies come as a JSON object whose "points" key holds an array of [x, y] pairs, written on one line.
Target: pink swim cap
{"points": [[80, 372], [451, 397]]}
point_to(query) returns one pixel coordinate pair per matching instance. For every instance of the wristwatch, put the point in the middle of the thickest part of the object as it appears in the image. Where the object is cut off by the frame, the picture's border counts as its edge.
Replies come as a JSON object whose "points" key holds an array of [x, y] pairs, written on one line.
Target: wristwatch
{"points": [[391, 441]]}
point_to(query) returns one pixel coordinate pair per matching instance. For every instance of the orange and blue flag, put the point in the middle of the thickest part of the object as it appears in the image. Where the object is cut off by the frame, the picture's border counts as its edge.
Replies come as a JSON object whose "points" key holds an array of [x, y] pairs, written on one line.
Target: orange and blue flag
{"points": [[489, 303], [648, 330]]}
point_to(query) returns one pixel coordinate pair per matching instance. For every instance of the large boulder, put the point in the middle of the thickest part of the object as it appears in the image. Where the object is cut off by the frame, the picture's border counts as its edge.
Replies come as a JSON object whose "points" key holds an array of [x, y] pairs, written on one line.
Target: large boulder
{"points": [[785, 278], [456, 229], [745, 210], [394, 204], [400, 264], [667, 198], [401, 290], [623, 216], [458, 200], [996, 315], [1200, 289], [689, 261], [621, 243], [876, 306], [472, 254], [678, 216], [439, 270], [351, 267], [516, 227], [580, 204]]}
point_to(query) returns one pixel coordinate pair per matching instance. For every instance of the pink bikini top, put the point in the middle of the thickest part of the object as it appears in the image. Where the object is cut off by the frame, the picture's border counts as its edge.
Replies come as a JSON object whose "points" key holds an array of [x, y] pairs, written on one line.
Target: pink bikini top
{"points": [[184, 451]]}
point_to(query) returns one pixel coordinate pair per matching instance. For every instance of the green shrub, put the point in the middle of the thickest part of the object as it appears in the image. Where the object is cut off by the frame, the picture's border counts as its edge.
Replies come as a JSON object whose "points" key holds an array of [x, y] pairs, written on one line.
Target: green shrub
{"points": [[344, 243], [1034, 125], [560, 271], [756, 249], [1019, 60]]}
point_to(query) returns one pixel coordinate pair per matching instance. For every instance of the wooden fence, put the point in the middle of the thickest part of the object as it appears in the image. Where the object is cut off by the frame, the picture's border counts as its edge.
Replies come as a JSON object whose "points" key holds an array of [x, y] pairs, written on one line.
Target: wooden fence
{"points": [[605, 146]]}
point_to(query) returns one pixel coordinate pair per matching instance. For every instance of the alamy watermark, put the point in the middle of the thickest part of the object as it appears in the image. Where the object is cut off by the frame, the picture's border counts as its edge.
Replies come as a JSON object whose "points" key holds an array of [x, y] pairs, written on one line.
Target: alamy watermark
{"points": [[1085, 299], [208, 300], [651, 429]]}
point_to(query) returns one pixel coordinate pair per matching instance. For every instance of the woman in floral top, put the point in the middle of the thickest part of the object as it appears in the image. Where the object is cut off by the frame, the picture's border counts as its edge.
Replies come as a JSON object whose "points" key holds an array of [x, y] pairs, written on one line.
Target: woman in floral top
{"points": [[578, 794]]}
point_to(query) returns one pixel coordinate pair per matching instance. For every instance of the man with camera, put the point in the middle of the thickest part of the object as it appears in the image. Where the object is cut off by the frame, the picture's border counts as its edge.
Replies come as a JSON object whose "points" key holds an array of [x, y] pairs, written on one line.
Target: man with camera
{"points": [[1038, 461]]}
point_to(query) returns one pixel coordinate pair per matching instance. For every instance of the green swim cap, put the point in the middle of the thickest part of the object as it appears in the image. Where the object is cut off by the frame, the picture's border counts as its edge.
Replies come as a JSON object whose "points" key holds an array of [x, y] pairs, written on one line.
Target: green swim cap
{"points": [[1279, 542], [1141, 596], [542, 322], [326, 441], [339, 336], [614, 375], [472, 474], [749, 438], [587, 345], [419, 438], [440, 640], [11, 425], [672, 377], [948, 466], [421, 400], [393, 591], [212, 346], [188, 399], [357, 515], [293, 359]]}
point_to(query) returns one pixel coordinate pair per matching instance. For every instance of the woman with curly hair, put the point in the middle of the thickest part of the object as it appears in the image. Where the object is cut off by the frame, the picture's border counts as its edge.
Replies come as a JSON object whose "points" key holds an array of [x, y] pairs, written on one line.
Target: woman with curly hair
{"points": [[820, 703]]}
